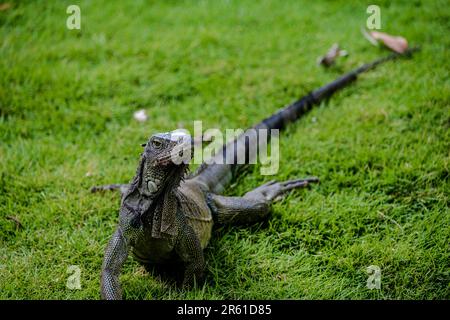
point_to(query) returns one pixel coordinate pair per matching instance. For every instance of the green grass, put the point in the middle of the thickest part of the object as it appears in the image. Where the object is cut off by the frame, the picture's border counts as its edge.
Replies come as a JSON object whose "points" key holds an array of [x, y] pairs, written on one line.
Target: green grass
{"points": [[381, 147]]}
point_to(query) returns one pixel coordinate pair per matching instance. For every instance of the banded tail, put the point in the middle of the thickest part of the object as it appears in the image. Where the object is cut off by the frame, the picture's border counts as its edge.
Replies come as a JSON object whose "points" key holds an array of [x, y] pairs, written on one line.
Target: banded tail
{"points": [[216, 176]]}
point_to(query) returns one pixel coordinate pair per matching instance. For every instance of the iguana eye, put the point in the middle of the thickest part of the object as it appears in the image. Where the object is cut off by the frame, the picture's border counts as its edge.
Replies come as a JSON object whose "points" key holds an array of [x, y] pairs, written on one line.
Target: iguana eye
{"points": [[156, 144]]}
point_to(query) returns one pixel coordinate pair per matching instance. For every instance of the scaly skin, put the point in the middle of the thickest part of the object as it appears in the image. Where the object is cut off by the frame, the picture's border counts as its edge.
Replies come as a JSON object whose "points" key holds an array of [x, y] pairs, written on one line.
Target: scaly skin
{"points": [[165, 218]]}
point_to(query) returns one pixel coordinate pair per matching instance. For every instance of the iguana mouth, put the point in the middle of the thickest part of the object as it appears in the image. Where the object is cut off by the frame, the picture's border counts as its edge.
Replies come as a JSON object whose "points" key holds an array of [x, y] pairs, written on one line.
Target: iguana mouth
{"points": [[163, 161]]}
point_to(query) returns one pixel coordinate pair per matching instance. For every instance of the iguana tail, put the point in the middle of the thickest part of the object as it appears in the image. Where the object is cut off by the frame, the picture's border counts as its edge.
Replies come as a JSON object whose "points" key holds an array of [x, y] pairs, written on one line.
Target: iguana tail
{"points": [[216, 176]]}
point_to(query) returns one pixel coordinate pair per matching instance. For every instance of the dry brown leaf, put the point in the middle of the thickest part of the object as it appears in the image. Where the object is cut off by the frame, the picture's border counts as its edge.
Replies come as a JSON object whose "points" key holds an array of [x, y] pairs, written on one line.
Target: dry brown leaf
{"points": [[16, 221], [332, 54], [5, 6], [395, 43]]}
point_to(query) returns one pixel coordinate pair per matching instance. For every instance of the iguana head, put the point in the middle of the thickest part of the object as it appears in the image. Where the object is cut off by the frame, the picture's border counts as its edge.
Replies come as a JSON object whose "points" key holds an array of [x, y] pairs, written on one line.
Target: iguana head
{"points": [[164, 161]]}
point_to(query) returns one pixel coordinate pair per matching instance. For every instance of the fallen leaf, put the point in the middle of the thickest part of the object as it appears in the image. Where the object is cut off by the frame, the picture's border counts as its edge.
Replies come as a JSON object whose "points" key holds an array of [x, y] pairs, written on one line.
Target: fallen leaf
{"points": [[5, 6], [395, 43], [16, 221], [329, 58]]}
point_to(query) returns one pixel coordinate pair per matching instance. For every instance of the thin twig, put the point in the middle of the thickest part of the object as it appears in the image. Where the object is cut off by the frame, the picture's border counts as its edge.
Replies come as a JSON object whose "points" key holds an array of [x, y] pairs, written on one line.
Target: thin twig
{"points": [[16, 220], [391, 220]]}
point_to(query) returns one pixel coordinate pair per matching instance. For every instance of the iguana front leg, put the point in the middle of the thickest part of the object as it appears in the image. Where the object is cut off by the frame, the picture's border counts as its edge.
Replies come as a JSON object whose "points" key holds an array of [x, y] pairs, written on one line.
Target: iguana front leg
{"points": [[189, 250], [115, 255]]}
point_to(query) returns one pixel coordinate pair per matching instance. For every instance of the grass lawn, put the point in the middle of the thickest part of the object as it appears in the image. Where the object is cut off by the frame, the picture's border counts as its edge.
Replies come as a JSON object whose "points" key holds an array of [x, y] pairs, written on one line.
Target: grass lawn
{"points": [[381, 146]]}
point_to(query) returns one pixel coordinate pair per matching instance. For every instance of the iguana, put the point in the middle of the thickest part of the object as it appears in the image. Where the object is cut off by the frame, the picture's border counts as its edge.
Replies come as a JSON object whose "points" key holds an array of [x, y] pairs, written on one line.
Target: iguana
{"points": [[166, 217]]}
